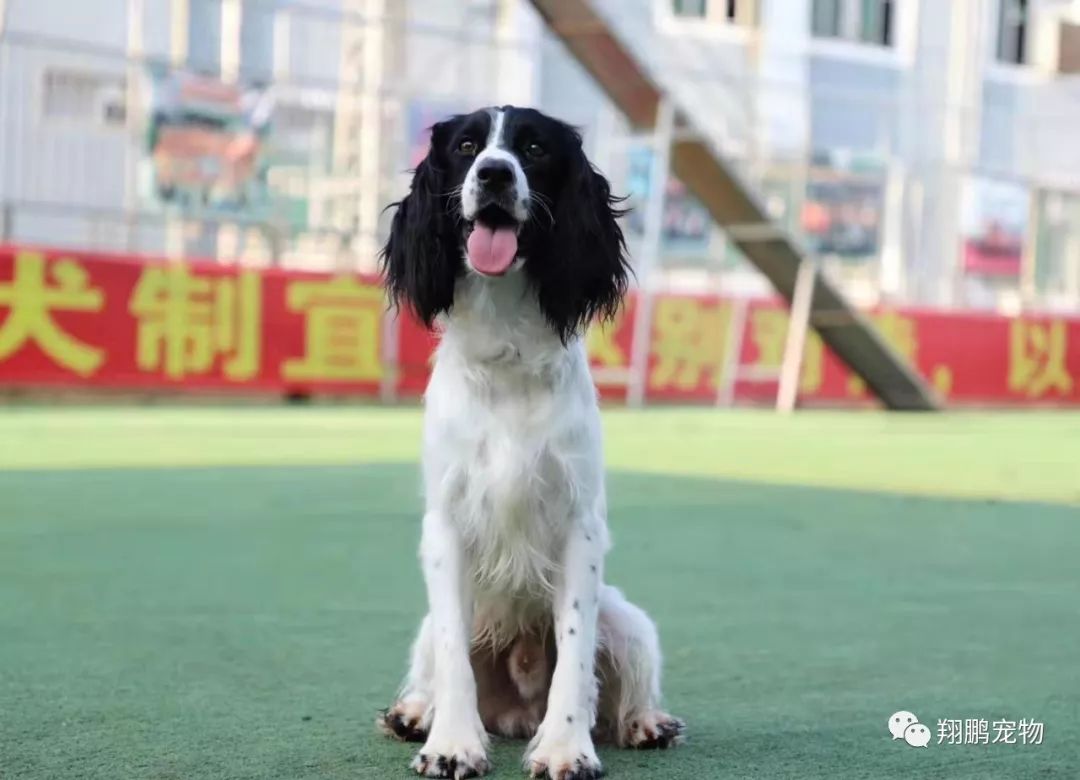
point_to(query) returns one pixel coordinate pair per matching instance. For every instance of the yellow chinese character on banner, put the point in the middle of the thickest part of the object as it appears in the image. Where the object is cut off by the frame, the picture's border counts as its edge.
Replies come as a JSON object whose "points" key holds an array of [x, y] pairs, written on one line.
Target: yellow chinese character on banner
{"points": [[186, 321], [601, 346], [942, 379], [1037, 358], [343, 327], [31, 300], [688, 342], [769, 333]]}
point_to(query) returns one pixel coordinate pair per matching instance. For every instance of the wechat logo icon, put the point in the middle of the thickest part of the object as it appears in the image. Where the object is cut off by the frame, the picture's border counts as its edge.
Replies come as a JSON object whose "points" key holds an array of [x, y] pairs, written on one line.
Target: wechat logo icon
{"points": [[905, 725]]}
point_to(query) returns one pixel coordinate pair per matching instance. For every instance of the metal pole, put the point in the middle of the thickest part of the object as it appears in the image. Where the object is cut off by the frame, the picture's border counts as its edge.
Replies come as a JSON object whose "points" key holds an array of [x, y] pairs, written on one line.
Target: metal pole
{"points": [[650, 251], [5, 134], [232, 19], [1029, 256], [391, 339], [801, 306], [369, 203], [282, 44], [346, 200], [7, 218], [736, 331], [891, 263], [179, 39], [179, 32], [230, 235], [1072, 250], [134, 110]]}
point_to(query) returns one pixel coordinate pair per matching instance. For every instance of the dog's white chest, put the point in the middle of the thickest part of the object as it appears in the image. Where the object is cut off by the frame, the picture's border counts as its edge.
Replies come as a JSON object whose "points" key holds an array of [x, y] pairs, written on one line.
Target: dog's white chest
{"points": [[511, 493], [512, 440]]}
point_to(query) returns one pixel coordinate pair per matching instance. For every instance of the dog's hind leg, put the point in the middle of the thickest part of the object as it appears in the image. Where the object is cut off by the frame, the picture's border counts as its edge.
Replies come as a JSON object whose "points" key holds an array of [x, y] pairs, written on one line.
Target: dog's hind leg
{"points": [[628, 663], [410, 717]]}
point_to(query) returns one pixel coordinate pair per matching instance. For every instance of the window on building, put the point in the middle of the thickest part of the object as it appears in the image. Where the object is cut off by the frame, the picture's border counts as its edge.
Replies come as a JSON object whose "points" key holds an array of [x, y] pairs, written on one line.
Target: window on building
{"points": [[876, 23], [204, 36], [1057, 247], [735, 11], [85, 97], [863, 21], [257, 40], [826, 21], [1012, 31], [691, 8]]}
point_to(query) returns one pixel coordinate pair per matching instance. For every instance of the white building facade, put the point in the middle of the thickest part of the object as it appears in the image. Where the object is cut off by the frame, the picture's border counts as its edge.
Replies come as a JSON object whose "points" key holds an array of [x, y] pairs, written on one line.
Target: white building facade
{"points": [[922, 148]]}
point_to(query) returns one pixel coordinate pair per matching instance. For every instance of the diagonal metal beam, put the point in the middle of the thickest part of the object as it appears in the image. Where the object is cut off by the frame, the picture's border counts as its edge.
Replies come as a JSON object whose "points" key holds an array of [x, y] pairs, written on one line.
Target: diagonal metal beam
{"points": [[734, 207]]}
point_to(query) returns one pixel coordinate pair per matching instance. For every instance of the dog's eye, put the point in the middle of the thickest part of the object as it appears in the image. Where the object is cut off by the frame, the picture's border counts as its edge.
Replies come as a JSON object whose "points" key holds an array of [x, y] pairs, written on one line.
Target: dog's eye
{"points": [[467, 147], [535, 151]]}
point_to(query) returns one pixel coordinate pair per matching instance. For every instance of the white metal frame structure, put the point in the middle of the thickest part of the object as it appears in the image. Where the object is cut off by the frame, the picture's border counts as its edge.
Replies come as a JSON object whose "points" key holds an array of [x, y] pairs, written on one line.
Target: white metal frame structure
{"points": [[736, 209]]}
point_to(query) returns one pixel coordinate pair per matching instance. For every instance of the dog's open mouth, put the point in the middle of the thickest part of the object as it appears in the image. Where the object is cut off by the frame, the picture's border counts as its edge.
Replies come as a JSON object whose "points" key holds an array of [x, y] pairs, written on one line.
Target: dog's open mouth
{"points": [[492, 241]]}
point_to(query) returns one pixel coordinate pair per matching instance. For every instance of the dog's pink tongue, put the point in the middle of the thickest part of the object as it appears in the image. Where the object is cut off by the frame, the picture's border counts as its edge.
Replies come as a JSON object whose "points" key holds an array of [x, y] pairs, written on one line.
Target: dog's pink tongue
{"points": [[492, 251]]}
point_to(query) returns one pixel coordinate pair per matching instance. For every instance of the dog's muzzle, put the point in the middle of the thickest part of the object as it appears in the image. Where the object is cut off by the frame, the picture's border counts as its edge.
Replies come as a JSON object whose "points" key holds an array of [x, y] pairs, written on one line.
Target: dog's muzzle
{"points": [[492, 236]]}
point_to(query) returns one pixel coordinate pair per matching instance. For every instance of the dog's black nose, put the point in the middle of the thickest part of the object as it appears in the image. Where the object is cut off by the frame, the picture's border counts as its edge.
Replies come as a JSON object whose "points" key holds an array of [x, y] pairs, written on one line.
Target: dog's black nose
{"points": [[495, 175]]}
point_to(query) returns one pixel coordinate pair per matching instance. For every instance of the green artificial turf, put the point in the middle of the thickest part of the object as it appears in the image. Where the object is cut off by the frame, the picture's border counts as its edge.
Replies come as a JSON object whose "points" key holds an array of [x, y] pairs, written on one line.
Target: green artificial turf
{"points": [[230, 593]]}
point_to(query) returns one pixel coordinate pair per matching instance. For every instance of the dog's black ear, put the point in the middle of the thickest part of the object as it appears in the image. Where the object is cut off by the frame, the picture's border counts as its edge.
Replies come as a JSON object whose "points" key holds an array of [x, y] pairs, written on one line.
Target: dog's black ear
{"points": [[584, 271], [421, 260]]}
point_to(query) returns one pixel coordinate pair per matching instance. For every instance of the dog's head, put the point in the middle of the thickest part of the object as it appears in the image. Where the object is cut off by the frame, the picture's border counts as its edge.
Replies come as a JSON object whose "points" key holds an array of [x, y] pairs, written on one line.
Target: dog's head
{"points": [[506, 191]]}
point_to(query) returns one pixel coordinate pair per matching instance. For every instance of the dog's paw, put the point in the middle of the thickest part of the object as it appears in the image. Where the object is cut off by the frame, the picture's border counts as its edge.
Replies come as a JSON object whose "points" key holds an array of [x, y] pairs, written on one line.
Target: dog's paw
{"points": [[453, 752], [406, 720], [654, 731], [567, 759], [455, 765]]}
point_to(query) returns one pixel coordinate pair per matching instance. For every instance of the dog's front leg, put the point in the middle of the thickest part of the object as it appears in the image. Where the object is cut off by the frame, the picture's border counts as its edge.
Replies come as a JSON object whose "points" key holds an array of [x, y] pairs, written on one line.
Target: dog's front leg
{"points": [[456, 745], [563, 747]]}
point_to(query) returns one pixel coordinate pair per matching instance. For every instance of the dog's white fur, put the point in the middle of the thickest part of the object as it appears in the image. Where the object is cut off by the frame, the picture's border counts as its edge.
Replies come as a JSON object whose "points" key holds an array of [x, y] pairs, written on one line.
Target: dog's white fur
{"points": [[514, 538]]}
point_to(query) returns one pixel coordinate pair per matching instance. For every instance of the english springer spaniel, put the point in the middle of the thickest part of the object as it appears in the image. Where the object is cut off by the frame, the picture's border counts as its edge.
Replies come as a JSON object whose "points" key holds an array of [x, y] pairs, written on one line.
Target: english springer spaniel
{"points": [[508, 240]]}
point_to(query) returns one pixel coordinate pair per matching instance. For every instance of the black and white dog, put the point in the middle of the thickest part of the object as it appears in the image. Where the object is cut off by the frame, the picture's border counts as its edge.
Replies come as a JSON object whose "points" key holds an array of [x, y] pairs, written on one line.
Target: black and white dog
{"points": [[508, 238]]}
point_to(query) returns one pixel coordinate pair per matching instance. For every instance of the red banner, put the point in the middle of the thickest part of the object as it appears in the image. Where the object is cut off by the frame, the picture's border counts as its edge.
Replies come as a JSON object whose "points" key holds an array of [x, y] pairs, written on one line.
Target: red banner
{"points": [[968, 357], [112, 322], [83, 319]]}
